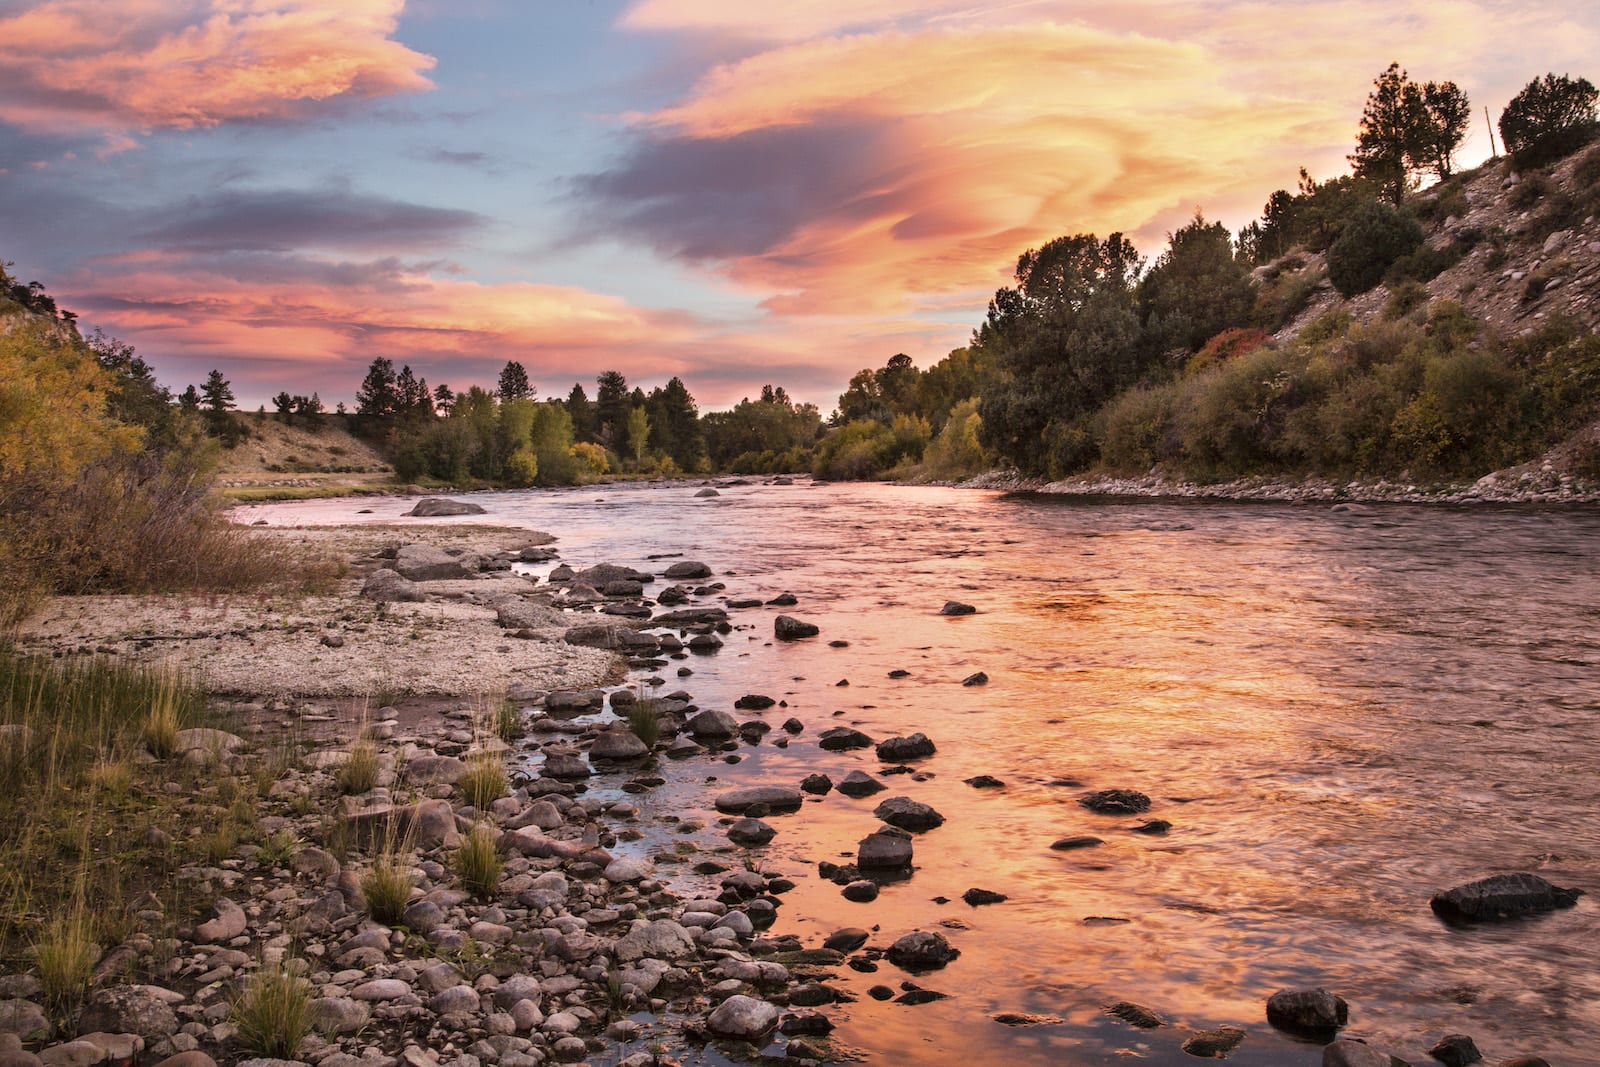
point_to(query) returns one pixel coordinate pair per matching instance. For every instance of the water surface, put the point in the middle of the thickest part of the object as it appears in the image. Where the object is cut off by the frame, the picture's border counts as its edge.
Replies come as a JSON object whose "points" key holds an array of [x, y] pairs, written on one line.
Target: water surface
{"points": [[1338, 711]]}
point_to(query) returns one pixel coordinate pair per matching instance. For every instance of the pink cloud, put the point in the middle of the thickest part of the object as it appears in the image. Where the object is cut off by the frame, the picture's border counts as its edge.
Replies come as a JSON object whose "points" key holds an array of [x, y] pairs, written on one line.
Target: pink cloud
{"points": [[153, 64]]}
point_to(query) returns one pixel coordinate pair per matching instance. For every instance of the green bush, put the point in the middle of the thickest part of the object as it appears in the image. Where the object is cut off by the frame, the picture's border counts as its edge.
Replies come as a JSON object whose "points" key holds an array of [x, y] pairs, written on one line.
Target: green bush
{"points": [[1551, 117], [1138, 429], [1376, 236]]}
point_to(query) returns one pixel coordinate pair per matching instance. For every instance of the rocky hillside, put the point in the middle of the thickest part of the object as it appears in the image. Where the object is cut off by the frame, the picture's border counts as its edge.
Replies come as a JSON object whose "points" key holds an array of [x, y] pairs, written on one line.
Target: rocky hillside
{"points": [[1532, 248], [276, 454]]}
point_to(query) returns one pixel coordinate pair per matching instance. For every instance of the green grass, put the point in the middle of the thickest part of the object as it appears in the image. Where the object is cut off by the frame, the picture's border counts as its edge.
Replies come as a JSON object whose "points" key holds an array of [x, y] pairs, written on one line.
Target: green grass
{"points": [[65, 954], [387, 887], [643, 722], [273, 1016], [359, 772]]}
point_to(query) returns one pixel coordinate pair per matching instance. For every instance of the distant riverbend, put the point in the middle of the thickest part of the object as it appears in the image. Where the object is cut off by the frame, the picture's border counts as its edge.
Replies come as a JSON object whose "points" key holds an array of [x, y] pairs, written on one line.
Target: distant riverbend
{"points": [[1337, 711]]}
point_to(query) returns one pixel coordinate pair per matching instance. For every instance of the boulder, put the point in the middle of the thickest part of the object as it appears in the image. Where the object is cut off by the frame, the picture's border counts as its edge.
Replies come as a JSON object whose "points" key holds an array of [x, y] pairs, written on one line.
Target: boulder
{"points": [[229, 923], [429, 769], [618, 746], [860, 784], [390, 587], [1214, 1044], [816, 784], [846, 940], [900, 749], [129, 1010], [521, 613], [380, 989], [690, 617], [979, 897], [1456, 1050], [1501, 897], [1135, 1015], [860, 891], [339, 1015], [751, 833], [774, 798], [425, 563], [612, 637], [842, 739], [978, 678], [602, 574], [1116, 802], [754, 702], [687, 569], [742, 1017], [956, 607], [1354, 1054], [908, 814], [923, 950], [431, 507], [661, 939], [706, 492], [713, 723], [1314, 1013], [25, 1019], [884, 849], [788, 628]]}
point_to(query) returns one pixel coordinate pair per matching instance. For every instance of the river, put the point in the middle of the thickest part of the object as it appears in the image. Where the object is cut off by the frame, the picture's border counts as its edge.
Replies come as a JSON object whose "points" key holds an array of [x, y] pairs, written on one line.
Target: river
{"points": [[1339, 711]]}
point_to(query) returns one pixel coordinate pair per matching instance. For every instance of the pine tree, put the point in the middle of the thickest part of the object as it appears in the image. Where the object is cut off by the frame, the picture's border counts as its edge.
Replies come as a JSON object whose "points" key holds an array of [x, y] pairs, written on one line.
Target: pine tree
{"points": [[514, 382]]}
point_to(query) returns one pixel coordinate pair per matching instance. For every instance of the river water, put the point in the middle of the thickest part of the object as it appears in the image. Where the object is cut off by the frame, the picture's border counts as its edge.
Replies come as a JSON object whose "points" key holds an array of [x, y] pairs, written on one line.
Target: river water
{"points": [[1339, 712]]}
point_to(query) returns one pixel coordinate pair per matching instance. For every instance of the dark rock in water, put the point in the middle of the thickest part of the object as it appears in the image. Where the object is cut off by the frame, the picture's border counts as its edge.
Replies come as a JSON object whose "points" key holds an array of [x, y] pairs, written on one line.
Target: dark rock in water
{"points": [[704, 643], [1526, 1061], [861, 891], [623, 587], [842, 738], [707, 492], [908, 814], [564, 767], [899, 672], [985, 781], [923, 950], [1116, 802], [1501, 897], [712, 723], [751, 833], [1023, 1018], [884, 849], [975, 679], [1154, 826], [816, 784], [687, 569], [955, 607], [913, 997], [1356, 1054], [672, 594], [1214, 1044], [859, 784], [1314, 1013], [1135, 1015], [690, 617], [900, 749], [838, 644], [784, 600], [978, 897], [618, 746], [1456, 1050], [614, 637], [745, 602], [754, 702], [788, 628], [430, 507], [881, 992], [811, 995], [602, 574], [792, 725], [802, 1023], [847, 940], [775, 798]]}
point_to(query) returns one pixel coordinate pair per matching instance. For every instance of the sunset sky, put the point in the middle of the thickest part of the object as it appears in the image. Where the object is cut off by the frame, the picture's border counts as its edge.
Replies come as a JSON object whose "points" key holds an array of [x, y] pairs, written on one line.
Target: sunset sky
{"points": [[733, 192]]}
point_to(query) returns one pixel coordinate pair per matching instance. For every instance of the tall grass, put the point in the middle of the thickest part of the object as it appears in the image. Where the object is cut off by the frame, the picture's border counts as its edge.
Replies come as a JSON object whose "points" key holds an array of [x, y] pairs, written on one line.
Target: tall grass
{"points": [[643, 721], [65, 954], [76, 808], [273, 1016], [485, 780], [386, 886], [359, 772], [477, 862]]}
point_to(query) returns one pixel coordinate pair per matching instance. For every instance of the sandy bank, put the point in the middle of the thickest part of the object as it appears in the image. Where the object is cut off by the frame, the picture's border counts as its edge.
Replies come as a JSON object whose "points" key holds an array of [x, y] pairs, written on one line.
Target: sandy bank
{"points": [[339, 644]]}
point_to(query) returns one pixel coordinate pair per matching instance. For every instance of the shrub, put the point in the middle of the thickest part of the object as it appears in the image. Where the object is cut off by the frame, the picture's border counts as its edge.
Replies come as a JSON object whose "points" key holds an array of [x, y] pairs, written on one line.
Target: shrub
{"points": [[1375, 237], [1550, 118], [1423, 265], [956, 452], [273, 1016], [1138, 428], [477, 862], [1227, 345], [1405, 298], [1529, 191]]}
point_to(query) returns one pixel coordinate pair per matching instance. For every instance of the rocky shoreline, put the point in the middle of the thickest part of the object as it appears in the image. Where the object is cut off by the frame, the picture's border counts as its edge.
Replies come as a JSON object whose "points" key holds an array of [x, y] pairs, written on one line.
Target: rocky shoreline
{"points": [[580, 949]]}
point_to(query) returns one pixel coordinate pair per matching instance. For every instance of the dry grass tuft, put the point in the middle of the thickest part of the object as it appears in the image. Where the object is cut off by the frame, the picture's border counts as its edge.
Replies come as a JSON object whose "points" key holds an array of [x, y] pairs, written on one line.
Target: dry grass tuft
{"points": [[485, 780], [477, 862], [273, 1016]]}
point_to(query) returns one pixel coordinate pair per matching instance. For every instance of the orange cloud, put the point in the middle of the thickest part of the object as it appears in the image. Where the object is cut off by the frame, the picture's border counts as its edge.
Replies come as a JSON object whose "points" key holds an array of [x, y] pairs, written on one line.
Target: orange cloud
{"points": [[925, 143], [152, 64]]}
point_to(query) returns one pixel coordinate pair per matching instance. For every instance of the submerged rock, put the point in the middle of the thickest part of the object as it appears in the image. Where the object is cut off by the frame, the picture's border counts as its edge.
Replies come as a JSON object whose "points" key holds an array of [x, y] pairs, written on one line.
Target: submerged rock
{"points": [[1501, 897], [774, 798], [1116, 802], [899, 749], [1456, 1050], [922, 950], [908, 814], [430, 507], [842, 739], [884, 849], [1314, 1013], [788, 628], [1214, 1044], [1135, 1015], [1354, 1054], [956, 607]]}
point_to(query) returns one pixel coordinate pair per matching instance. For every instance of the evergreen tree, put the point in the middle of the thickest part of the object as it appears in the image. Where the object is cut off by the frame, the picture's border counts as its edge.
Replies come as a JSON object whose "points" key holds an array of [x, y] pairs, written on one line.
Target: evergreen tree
{"points": [[514, 382], [1197, 289], [443, 398], [612, 404], [585, 424], [680, 420], [376, 398]]}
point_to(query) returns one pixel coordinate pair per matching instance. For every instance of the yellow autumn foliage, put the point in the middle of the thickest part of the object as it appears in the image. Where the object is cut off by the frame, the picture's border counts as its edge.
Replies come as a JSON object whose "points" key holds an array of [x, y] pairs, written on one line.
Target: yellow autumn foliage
{"points": [[53, 417]]}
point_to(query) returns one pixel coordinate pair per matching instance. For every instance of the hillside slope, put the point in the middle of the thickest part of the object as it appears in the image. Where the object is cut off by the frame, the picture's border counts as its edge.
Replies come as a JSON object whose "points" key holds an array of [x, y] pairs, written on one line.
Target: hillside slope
{"points": [[276, 454]]}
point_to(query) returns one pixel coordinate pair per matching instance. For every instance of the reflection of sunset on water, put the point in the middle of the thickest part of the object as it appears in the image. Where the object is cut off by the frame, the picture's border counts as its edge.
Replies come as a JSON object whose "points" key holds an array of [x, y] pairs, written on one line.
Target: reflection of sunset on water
{"points": [[1337, 713]]}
